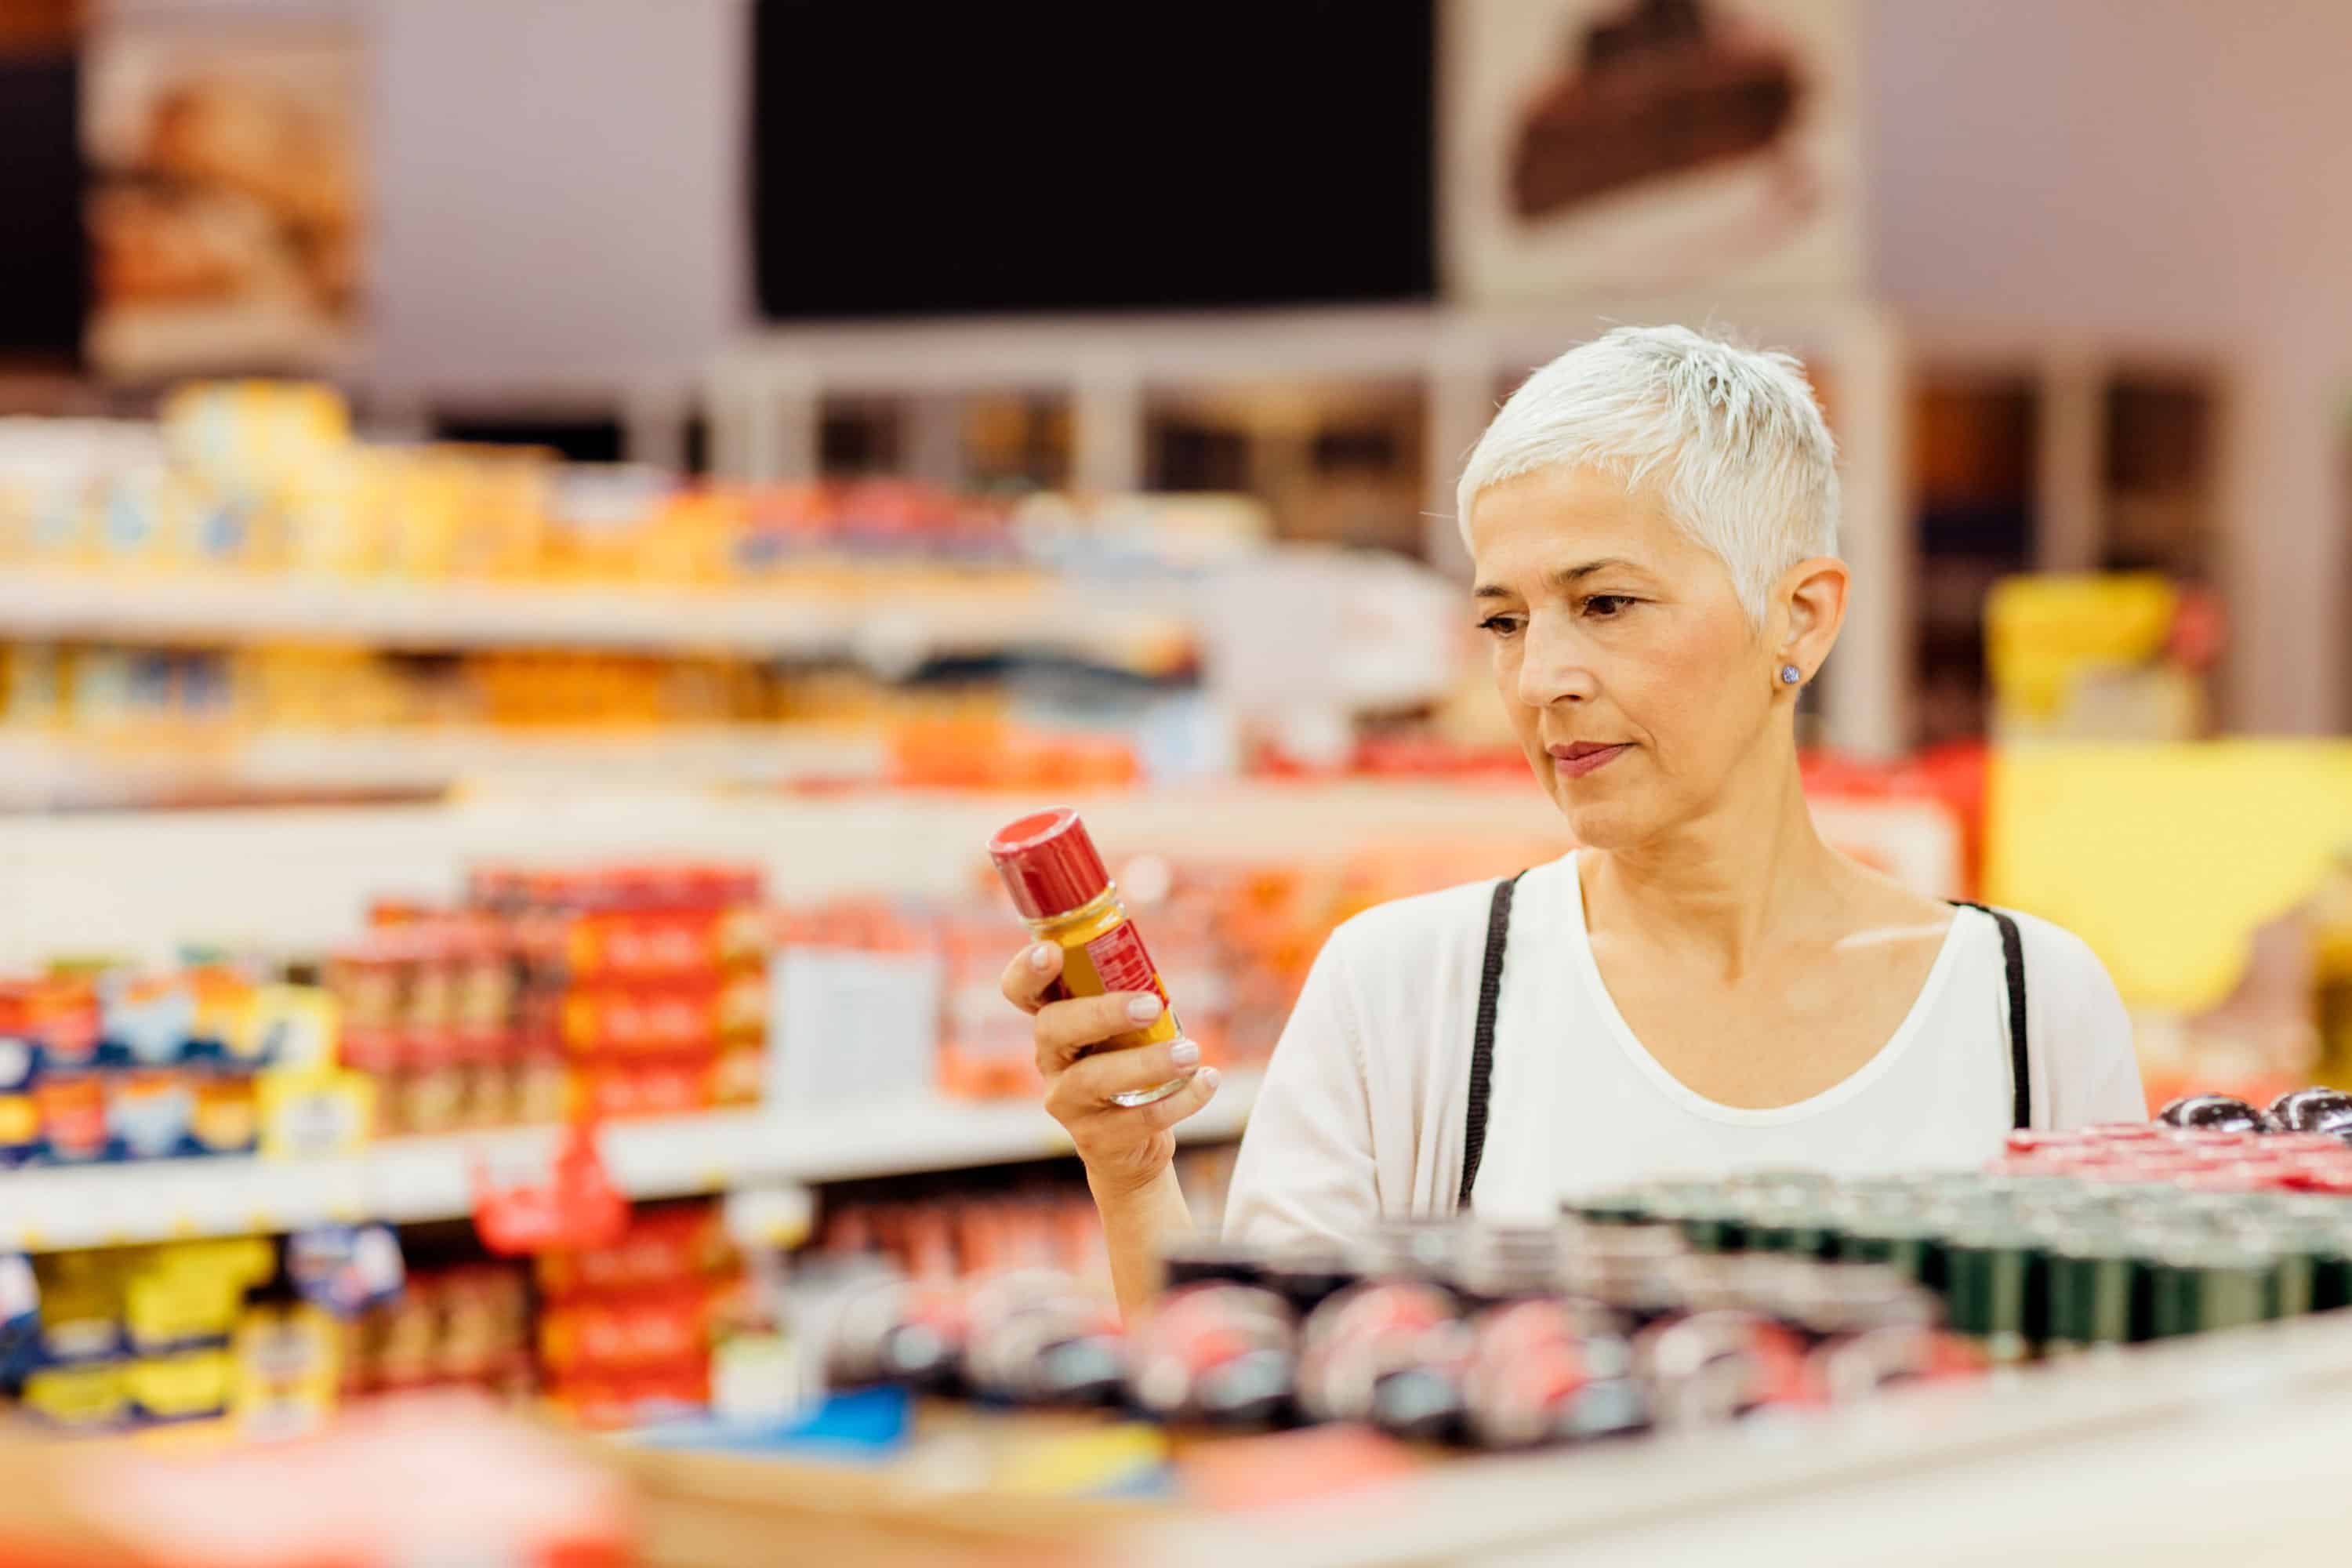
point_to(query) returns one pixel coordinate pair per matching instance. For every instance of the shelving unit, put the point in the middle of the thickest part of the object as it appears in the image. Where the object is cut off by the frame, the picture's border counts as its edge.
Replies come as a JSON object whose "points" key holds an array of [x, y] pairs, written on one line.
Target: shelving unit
{"points": [[39, 769], [766, 400], [888, 621], [413, 1180]]}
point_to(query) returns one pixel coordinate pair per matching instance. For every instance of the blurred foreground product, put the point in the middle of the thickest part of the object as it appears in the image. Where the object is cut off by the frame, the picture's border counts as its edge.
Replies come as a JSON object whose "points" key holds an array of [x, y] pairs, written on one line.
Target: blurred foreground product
{"points": [[471, 1487]]}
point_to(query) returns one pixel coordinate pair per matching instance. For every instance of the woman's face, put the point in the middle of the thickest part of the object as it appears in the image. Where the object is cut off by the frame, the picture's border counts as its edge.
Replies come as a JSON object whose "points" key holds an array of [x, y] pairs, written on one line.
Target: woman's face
{"points": [[1633, 681]]}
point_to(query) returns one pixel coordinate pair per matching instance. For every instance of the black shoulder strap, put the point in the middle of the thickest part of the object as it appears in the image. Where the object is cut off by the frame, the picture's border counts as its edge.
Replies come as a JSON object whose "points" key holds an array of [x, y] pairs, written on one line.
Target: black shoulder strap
{"points": [[1482, 1037], [2012, 962]]}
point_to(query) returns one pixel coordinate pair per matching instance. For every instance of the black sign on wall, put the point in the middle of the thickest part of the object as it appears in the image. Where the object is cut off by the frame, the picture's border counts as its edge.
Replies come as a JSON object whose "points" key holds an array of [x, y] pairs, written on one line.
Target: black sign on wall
{"points": [[44, 265], [910, 158]]}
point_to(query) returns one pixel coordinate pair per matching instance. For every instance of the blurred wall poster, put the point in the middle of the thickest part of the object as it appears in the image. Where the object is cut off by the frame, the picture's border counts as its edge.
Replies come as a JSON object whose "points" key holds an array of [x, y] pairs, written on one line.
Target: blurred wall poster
{"points": [[1628, 147], [227, 221]]}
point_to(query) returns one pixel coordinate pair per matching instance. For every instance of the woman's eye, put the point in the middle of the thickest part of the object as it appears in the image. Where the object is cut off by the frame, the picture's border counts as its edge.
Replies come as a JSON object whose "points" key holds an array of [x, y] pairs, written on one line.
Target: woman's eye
{"points": [[1603, 605], [1499, 626]]}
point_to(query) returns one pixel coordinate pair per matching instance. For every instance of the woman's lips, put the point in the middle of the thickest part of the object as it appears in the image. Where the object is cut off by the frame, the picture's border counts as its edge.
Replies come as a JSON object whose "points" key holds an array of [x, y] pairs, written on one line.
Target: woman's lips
{"points": [[1583, 757]]}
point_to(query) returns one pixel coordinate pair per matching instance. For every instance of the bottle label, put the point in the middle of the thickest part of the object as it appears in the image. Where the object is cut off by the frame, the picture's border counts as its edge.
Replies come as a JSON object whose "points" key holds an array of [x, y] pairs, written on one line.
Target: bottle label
{"points": [[1118, 963], [1121, 962]]}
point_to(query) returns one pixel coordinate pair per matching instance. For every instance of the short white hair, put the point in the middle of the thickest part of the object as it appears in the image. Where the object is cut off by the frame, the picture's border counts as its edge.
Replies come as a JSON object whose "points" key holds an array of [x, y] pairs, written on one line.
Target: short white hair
{"points": [[1731, 438]]}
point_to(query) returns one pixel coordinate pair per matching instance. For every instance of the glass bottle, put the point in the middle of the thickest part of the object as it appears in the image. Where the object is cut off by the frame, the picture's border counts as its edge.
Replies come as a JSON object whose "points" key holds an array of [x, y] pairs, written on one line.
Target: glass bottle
{"points": [[1058, 882]]}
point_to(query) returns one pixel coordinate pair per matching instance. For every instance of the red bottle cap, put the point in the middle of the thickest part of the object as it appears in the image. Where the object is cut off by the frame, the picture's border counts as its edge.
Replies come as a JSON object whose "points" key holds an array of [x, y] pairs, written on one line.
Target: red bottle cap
{"points": [[1048, 863]]}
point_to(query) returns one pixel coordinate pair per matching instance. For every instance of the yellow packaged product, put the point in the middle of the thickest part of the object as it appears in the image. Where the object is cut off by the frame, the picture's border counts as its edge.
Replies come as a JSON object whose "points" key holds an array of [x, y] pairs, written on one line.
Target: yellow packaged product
{"points": [[287, 1369], [187, 1386], [82, 1304], [85, 1396], [167, 1304]]}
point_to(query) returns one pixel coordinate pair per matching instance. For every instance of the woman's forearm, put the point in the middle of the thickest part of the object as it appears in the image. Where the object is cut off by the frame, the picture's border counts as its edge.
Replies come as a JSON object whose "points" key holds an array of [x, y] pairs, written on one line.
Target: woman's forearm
{"points": [[1138, 1223]]}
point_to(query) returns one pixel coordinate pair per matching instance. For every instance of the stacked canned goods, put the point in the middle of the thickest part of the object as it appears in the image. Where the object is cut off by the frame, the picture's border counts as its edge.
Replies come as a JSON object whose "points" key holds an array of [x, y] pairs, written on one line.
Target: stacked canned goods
{"points": [[1600, 1326], [2075, 1241]]}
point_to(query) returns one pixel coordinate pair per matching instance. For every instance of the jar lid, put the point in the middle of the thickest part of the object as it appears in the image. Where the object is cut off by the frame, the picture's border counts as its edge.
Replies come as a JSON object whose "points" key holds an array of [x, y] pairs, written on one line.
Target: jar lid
{"points": [[1049, 864]]}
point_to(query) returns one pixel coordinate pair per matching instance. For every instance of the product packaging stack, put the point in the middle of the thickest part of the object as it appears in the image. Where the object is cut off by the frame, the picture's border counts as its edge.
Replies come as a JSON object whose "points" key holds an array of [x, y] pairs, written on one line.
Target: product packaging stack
{"points": [[625, 1331]]}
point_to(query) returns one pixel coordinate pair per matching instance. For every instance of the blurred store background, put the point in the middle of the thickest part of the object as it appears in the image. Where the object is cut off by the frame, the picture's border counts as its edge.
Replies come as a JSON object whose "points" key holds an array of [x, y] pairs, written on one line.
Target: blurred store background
{"points": [[538, 537]]}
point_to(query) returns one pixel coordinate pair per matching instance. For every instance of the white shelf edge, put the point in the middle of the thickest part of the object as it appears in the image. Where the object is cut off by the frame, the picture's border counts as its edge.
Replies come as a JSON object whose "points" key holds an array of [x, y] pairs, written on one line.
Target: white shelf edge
{"points": [[37, 767], [411, 1180], [53, 602]]}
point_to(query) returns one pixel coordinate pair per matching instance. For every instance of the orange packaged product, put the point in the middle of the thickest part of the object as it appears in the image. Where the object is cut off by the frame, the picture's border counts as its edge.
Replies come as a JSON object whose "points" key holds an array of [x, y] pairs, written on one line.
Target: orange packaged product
{"points": [[430, 1090], [72, 1109], [737, 1075], [653, 1086], [661, 1247], [636, 944], [641, 1329], [700, 1015], [64, 1015], [541, 1089]]}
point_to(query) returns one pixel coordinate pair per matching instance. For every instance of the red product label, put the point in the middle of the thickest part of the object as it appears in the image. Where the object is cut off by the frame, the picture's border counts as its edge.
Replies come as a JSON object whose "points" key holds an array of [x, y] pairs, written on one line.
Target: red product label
{"points": [[1119, 959]]}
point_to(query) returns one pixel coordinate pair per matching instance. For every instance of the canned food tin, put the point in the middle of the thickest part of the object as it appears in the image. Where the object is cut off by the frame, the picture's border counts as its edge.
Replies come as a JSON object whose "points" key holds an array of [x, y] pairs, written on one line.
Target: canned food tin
{"points": [[1911, 1245], [2197, 1289], [1994, 1290], [2097, 1291]]}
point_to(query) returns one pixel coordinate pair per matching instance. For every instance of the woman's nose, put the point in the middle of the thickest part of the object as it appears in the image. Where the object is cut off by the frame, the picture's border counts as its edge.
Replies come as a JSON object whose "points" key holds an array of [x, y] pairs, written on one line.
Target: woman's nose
{"points": [[1553, 670]]}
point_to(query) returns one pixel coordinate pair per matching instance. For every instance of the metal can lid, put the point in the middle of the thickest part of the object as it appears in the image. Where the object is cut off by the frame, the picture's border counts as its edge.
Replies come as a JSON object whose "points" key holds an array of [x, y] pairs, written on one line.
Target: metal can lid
{"points": [[1049, 863]]}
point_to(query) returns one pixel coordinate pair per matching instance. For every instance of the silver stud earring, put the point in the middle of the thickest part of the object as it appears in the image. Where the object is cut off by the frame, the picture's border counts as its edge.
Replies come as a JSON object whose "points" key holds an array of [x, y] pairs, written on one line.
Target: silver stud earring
{"points": [[1791, 675]]}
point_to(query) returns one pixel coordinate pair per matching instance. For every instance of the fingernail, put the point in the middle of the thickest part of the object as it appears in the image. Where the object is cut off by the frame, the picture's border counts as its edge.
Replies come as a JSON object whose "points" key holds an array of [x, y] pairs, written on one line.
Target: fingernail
{"points": [[1207, 1078], [1041, 957], [1185, 1053], [1143, 1009]]}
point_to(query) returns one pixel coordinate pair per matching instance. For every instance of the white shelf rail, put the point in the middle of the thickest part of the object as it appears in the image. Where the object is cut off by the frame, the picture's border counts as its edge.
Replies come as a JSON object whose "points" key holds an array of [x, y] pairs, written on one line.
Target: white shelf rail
{"points": [[412, 1180]]}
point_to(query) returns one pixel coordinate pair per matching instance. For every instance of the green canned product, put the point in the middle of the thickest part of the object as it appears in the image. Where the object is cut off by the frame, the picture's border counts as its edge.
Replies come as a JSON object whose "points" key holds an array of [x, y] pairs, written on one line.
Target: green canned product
{"points": [[1772, 1223], [1703, 1212], [1993, 1289], [1617, 1205], [1718, 1230], [2331, 1270], [2097, 1288], [2295, 1269], [2197, 1289], [1912, 1245]]}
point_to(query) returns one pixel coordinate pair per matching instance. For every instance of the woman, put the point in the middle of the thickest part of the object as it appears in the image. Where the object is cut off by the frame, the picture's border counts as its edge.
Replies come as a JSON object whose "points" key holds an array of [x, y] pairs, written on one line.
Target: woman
{"points": [[1705, 984]]}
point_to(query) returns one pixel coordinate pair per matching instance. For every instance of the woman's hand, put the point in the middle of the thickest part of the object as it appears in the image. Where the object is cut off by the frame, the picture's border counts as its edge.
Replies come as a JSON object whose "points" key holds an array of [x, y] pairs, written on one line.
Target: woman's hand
{"points": [[1125, 1148]]}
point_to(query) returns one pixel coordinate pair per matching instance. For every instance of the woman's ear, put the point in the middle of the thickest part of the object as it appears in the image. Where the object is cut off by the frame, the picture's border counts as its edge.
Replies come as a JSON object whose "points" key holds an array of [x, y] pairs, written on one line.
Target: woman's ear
{"points": [[1812, 593]]}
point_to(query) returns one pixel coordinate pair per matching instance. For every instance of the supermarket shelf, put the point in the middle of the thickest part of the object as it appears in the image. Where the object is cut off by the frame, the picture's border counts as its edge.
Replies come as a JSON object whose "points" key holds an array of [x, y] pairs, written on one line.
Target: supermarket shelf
{"points": [[892, 625], [39, 769], [2057, 1464], [419, 1179]]}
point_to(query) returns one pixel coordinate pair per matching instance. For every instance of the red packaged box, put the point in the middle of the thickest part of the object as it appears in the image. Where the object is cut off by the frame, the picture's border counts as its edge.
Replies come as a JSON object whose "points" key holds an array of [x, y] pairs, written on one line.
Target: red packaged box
{"points": [[658, 1086], [616, 1333], [631, 1020], [661, 1247]]}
